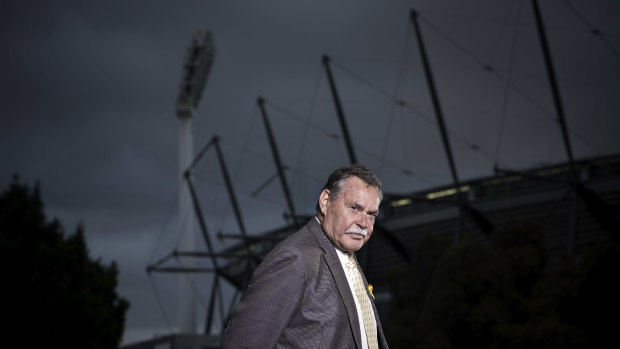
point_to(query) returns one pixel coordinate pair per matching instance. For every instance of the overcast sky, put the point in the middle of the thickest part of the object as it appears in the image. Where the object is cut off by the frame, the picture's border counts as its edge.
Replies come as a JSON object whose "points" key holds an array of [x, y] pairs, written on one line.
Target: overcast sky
{"points": [[88, 90]]}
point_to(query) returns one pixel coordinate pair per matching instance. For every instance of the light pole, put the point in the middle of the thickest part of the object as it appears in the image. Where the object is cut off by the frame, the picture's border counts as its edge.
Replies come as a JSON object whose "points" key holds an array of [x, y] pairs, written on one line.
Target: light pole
{"points": [[198, 60]]}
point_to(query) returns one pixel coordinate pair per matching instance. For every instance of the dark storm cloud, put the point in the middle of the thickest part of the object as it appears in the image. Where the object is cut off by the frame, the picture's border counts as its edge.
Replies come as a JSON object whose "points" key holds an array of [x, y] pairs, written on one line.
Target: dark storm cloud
{"points": [[77, 92], [88, 90]]}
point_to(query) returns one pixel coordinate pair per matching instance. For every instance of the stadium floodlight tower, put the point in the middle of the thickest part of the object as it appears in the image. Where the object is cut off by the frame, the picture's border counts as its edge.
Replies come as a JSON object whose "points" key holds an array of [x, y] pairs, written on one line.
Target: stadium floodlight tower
{"points": [[198, 60]]}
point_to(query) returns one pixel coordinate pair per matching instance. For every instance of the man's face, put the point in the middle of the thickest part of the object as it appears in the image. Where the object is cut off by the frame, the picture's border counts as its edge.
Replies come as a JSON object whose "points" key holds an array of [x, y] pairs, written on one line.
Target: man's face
{"points": [[349, 218]]}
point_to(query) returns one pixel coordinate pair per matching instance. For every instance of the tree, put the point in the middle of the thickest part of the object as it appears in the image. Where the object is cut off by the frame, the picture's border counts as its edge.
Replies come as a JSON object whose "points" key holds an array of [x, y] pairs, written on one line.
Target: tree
{"points": [[53, 294], [410, 287], [499, 293], [592, 303]]}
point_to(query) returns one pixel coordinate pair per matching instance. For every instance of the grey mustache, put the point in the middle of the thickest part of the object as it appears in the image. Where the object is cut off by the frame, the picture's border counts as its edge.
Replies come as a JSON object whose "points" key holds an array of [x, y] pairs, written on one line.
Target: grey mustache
{"points": [[357, 231]]}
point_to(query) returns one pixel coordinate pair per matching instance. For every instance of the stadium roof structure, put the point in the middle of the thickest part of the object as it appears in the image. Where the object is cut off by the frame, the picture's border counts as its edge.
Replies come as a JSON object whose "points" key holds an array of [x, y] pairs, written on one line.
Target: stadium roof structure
{"points": [[571, 215]]}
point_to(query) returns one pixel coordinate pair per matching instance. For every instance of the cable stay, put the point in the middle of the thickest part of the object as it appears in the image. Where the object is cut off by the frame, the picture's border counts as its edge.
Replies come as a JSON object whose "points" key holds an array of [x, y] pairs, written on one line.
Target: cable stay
{"points": [[416, 112], [593, 30], [382, 159], [293, 116], [267, 159], [489, 68]]}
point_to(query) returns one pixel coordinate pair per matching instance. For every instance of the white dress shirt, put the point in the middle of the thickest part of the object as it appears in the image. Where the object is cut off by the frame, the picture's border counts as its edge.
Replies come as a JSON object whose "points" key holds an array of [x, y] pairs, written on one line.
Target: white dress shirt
{"points": [[344, 258]]}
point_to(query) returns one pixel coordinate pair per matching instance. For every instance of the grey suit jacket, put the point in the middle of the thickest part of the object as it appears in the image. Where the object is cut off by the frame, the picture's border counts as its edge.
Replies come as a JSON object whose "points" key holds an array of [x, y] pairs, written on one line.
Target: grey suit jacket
{"points": [[298, 297]]}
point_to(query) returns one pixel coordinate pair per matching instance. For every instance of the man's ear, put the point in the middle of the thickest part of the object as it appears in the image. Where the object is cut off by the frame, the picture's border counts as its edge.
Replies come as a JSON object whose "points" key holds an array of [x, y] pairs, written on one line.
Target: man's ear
{"points": [[324, 201]]}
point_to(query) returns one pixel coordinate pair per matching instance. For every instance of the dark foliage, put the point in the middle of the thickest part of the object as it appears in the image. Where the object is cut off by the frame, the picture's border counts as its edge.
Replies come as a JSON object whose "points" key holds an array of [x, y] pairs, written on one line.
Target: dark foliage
{"points": [[501, 293], [53, 294]]}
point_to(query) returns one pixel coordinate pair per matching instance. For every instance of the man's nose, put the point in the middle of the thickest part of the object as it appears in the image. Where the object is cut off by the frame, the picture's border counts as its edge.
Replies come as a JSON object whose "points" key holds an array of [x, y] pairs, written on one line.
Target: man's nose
{"points": [[362, 220]]}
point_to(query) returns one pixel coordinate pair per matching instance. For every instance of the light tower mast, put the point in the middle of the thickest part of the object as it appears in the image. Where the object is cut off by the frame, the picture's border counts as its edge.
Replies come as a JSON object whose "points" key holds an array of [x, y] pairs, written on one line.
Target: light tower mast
{"points": [[198, 60]]}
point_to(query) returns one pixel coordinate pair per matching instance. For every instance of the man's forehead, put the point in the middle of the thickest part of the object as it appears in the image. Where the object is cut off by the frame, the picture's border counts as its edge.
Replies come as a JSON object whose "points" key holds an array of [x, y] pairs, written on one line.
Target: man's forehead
{"points": [[358, 197]]}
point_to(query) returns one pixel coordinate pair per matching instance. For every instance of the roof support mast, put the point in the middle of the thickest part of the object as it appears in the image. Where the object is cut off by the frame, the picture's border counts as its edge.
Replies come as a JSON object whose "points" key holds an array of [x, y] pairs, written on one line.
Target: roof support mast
{"points": [[562, 120], [599, 208], [440, 120], [554, 86], [211, 253], [343, 123], [276, 158], [229, 186]]}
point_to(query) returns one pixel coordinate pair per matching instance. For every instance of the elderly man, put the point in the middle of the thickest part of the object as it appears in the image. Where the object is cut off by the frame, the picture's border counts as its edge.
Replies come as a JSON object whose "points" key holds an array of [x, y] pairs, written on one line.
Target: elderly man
{"points": [[309, 291]]}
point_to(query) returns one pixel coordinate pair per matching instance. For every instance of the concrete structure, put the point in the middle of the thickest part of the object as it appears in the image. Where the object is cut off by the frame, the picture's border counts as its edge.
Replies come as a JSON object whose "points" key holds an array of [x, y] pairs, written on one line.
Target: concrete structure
{"points": [[542, 196]]}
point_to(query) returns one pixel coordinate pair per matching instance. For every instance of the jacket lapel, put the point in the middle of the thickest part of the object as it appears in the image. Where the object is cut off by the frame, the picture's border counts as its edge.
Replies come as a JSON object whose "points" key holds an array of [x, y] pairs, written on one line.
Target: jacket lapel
{"points": [[335, 267]]}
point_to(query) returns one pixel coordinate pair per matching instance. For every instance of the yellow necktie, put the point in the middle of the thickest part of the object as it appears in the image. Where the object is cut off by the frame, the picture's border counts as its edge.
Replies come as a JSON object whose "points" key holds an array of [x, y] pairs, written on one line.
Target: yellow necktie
{"points": [[362, 298]]}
